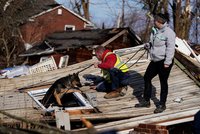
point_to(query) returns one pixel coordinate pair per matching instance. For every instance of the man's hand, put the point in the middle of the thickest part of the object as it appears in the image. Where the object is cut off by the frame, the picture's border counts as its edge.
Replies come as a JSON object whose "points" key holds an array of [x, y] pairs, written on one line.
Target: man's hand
{"points": [[147, 46], [96, 64], [166, 66]]}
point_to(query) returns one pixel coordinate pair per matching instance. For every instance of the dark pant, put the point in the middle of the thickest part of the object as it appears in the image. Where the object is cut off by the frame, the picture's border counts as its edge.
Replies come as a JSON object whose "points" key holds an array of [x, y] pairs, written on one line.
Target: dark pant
{"points": [[153, 69], [197, 123], [118, 79]]}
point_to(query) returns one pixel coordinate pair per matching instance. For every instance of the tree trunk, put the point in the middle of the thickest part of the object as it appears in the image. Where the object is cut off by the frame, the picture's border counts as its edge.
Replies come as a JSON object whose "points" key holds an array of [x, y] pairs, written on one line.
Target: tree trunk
{"points": [[165, 6], [187, 20], [178, 20], [181, 19], [85, 4]]}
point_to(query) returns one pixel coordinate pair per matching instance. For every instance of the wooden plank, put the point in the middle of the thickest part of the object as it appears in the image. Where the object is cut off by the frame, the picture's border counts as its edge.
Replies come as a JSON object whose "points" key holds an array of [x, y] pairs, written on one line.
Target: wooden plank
{"points": [[133, 122], [191, 67], [177, 121], [134, 112], [114, 38], [41, 78], [62, 120], [180, 85]]}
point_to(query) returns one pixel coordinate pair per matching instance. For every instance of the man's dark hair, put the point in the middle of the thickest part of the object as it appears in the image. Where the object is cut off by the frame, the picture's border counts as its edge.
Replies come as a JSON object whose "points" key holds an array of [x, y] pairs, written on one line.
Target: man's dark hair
{"points": [[162, 18]]}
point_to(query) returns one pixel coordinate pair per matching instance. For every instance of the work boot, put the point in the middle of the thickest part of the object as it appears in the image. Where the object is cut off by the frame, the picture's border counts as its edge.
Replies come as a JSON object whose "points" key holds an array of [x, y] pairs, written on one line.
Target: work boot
{"points": [[159, 109], [143, 104], [113, 94]]}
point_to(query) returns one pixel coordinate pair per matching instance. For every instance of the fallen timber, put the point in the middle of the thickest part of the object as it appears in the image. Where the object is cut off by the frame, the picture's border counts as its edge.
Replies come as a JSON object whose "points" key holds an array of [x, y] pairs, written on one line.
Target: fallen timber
{"points": [[118, 112], [192, 66], [130, 123], [40, 79]]}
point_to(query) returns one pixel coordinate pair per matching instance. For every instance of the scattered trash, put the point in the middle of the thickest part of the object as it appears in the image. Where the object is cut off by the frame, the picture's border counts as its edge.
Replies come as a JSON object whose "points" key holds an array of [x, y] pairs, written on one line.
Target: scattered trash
{"points": [[14, 71], [92, 79], [178, 100], [45, 64], [92, 98]]}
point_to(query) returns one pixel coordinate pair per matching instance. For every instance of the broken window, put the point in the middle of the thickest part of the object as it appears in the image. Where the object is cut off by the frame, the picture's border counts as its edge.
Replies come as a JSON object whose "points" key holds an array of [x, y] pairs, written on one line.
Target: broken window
{"points": [[70, 101]]}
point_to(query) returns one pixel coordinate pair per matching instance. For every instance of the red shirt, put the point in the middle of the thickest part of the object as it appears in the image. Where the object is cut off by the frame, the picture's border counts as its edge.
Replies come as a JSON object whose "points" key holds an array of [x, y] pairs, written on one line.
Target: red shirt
{"points": [[109, 61]]}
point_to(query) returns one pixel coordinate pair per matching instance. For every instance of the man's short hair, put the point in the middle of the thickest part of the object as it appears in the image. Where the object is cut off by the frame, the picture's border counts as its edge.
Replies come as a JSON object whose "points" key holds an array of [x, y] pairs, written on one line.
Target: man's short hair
{"points": [[162, 18], [99, 49]]}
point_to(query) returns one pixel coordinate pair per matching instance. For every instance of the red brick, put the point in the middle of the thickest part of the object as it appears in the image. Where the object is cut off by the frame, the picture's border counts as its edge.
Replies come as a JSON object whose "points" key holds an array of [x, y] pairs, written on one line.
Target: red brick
{"points": [[150, 126], [155, 131], [138, 129], [142, 125], [151, 129], [164, 132], [146, 130], [159, 132], [163, 127]]}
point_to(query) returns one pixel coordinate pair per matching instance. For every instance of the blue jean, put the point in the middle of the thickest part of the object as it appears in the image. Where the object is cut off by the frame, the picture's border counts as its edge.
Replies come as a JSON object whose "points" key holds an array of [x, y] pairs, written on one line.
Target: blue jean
{"points": [[118, 79]]}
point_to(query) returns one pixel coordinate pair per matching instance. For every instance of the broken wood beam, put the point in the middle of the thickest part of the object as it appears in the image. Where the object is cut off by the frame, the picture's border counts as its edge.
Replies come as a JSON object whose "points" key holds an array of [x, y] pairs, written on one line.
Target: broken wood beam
{"points": [[133, 122]]}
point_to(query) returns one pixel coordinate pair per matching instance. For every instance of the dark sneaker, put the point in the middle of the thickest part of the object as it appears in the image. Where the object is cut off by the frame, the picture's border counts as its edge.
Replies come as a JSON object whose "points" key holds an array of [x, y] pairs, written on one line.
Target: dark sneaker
{"points": [[113, 94], [160, 109], [143, 104]]}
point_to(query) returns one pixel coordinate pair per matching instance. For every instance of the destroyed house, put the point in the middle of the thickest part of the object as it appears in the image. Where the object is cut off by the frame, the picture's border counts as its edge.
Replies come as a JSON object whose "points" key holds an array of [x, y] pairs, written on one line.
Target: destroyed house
{"points": [[79, 44], [107, 114]]}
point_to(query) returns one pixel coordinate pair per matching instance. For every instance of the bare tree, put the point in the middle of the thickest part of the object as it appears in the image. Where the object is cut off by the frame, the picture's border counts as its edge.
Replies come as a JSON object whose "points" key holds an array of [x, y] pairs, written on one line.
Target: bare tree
{"points": [[9, 32], [81, 7], [85, 4], [182, 19], [195, 23], [14, 13], [180, 10]]}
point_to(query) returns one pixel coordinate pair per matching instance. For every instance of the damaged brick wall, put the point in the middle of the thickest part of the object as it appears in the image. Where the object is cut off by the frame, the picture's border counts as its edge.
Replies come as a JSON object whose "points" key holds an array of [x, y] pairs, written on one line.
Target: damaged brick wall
{"points": [[150, 129]]}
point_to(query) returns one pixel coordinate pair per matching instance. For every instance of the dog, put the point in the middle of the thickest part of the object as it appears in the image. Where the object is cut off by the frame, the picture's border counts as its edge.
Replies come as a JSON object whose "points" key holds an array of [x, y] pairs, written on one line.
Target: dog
{"points": [[68, 84]]}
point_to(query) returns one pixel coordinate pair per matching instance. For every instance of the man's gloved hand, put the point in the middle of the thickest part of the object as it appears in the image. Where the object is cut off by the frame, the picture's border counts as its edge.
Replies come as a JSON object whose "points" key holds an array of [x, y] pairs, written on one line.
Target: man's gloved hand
{"points": [[147, 45]]}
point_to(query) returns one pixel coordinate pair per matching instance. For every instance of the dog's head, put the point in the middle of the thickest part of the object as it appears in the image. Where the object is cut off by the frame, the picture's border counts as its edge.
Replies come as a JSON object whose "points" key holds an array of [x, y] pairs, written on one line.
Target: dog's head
{"points": [[75, 80]]}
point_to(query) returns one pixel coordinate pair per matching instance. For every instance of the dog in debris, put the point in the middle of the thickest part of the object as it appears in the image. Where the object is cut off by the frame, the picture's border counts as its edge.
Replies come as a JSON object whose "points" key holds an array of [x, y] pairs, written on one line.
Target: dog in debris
{"points": [[68, 84]]}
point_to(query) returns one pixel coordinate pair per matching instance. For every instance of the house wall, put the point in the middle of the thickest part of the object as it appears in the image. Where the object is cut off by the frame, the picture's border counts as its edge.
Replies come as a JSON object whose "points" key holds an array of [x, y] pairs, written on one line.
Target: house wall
{"points": [[36, 30]]}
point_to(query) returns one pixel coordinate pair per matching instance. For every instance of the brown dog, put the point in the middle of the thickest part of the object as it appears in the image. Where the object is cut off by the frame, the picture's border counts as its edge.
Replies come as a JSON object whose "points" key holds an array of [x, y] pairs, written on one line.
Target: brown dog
{"points": [[60, 87]]}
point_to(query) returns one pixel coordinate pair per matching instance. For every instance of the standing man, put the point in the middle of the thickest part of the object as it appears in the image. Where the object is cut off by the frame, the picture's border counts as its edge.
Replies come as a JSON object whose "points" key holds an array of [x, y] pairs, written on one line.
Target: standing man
{"points": [[115, 73], [161, 48]]}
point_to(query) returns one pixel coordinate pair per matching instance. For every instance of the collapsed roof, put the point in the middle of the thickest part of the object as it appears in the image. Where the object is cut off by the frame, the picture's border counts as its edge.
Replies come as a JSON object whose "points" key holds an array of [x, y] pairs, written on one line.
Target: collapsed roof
{"points": [[80, 38]]}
